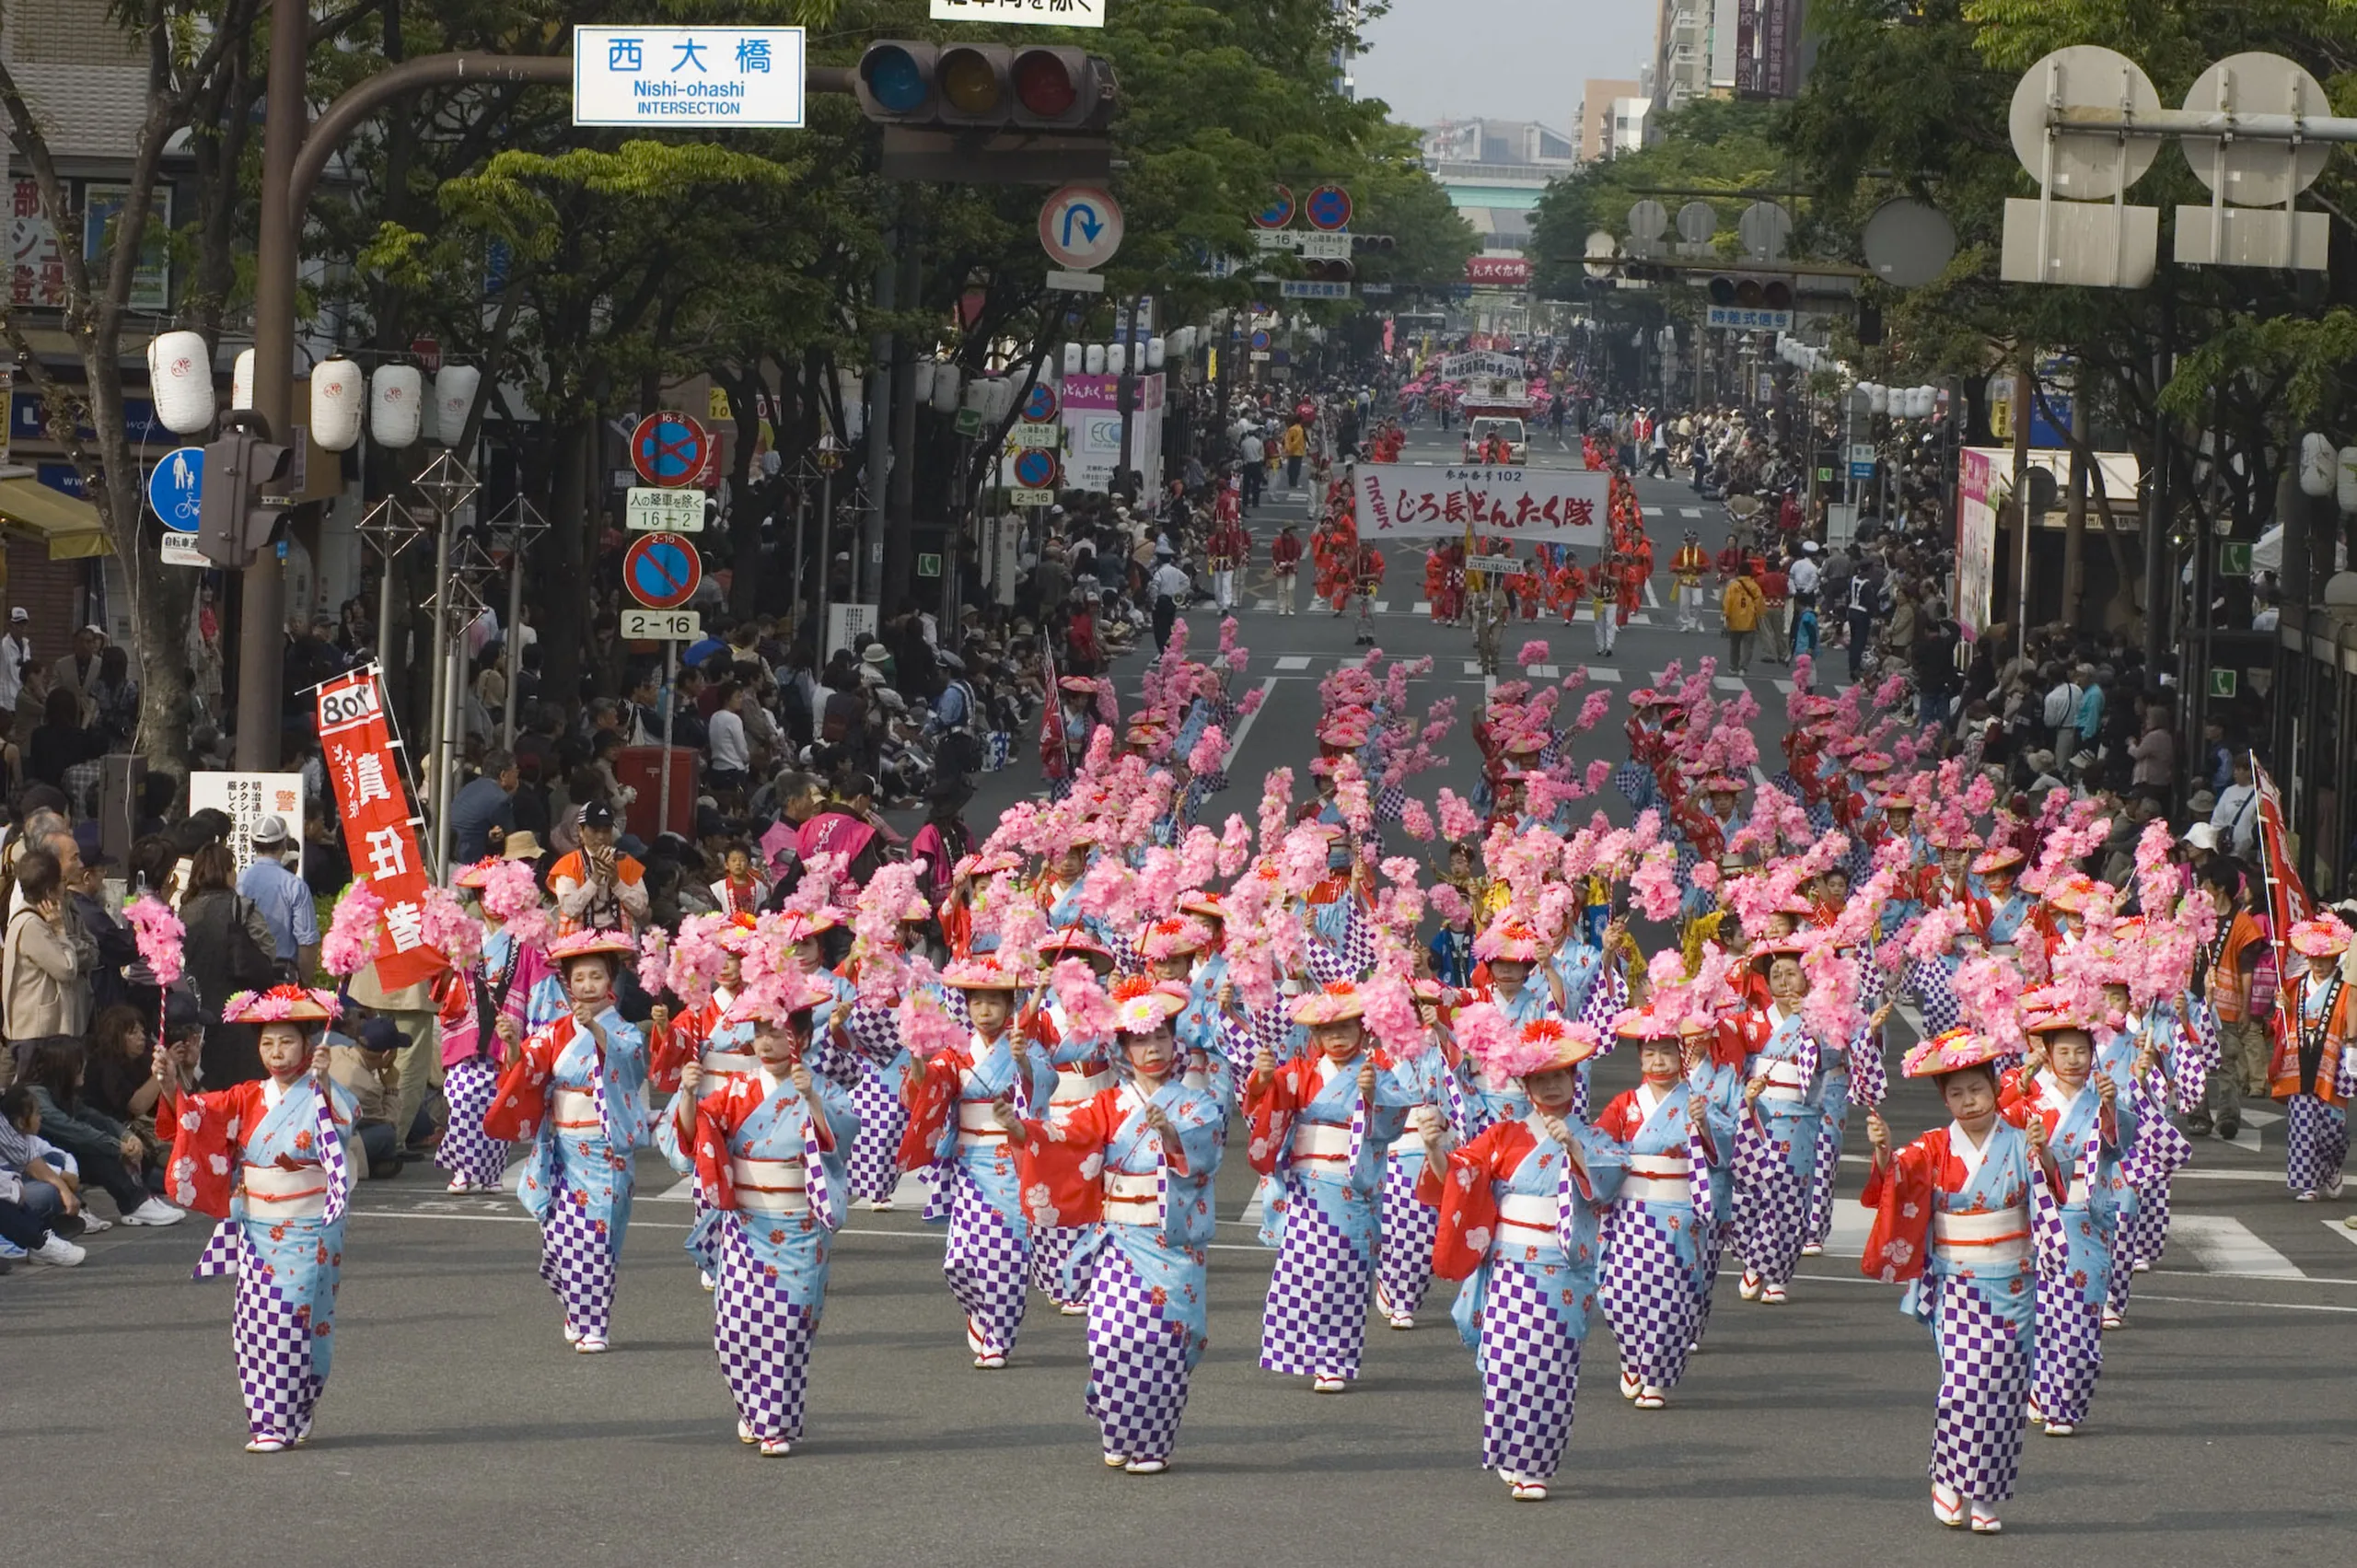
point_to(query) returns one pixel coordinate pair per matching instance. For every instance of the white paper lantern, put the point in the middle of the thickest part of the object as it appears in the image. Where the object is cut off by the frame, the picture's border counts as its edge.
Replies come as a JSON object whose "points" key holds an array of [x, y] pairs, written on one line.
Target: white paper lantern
{"points": [[1878, 399], [944, 390], [1155, 352], [1927, 402], [1002, 399], [180, 375], [1092, 361], [924, 373], [453, 398], [396, 405], [2345, 479], [1116, 359], [337, 399], [1075, 356], [242, 379], [2317, 460]]}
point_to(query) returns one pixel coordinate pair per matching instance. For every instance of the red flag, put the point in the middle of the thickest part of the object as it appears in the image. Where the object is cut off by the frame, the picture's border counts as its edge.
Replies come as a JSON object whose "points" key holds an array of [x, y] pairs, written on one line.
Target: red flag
{"points": [[2287, 896], [1052, 761], [377, 833]]}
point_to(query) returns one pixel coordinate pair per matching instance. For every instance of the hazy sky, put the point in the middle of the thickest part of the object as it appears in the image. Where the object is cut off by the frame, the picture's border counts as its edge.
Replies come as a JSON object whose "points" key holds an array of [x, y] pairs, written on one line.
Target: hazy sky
{"points": [[1434, 60]]}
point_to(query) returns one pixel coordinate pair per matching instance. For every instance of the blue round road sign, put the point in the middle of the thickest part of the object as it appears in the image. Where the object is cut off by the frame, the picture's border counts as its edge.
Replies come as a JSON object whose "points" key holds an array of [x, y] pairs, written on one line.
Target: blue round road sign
{"points": [[662, 570], [1035, 469], [1328, 208], [1041, 405], [175, 486], [1279, 211], [668, 450]]}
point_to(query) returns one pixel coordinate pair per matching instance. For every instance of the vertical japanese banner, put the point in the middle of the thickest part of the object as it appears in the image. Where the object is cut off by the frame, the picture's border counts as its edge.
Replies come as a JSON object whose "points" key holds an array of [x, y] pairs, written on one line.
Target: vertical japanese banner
{"points": [[2287, 895], [378, 832]]}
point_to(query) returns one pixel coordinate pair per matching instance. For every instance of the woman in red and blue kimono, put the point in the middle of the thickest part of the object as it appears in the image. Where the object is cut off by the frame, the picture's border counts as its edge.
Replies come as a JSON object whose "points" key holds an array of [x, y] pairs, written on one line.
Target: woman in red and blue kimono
{"points": [[1320, 1125], [1519, 1212], [765, 1147], [1138, 1181], [2087, 1111], [1954, 1217], [976, 1189], [576, 1091], [1656, 1272], [512, 980], [270, 1160]]}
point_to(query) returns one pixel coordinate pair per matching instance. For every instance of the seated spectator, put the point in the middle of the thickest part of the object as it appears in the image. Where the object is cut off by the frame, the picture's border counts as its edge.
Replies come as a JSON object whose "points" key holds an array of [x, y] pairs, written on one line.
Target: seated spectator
{"points": [[370, 1069], [109, 1152], [40, 1202], [119, 1077]]}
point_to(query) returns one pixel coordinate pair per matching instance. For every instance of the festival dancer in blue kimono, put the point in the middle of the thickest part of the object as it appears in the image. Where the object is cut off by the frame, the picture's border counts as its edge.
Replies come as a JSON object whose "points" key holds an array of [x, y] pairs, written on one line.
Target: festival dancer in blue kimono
{"points": [[2315, 1073], [272, 1160], [765, 1147], [2149, 1050], [1954, 1220], [952, 1131], [1589, 976], [576, 1091], [511, 980], [1320, 1125], [1084, 1069], [1141, 1186], [1654, 1281], [2002, 910], [2089, 1125], [1523, 994], [1854, 1073], [1519, 1208], [1403, 1269]]}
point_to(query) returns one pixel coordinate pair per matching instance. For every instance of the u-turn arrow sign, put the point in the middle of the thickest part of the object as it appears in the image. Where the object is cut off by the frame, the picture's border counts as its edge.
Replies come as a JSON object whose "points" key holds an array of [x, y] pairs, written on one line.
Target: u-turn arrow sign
{"points": [[1080, 227]]}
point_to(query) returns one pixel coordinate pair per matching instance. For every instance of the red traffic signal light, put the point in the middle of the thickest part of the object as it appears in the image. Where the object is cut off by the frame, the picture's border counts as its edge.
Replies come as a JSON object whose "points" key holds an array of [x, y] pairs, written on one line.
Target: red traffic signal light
{"points": [[1060, 90], [902, 82]]}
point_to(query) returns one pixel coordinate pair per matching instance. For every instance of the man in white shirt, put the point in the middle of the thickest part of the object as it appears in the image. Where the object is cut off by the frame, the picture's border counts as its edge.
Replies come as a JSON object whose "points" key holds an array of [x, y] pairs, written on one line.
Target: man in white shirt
{"points": [[726, 747], [1170, 585], [15, 649], [2237, 814], [1804, 578]]}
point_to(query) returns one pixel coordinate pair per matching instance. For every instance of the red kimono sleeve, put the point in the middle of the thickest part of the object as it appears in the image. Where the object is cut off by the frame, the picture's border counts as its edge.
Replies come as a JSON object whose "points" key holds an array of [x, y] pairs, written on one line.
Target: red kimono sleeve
{"points": [[200, 1171], [931, 1092], [1060, 1184], [1269, 1111], [713, 1171], [519, 1101], [1901, 1199], [1468, 1200]]}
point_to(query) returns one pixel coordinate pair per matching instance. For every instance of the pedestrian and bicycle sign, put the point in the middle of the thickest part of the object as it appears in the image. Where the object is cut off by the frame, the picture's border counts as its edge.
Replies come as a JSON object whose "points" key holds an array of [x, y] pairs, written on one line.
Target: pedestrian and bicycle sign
{"points": [[1328, 208], [668, 448], [1080, 227], [1279, 211], [176, 487], [662, 570]]}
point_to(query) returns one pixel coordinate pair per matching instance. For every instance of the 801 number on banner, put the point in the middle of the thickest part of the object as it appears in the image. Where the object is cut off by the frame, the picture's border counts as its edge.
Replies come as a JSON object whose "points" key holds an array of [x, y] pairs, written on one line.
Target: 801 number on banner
{"points": [[662, 626]]}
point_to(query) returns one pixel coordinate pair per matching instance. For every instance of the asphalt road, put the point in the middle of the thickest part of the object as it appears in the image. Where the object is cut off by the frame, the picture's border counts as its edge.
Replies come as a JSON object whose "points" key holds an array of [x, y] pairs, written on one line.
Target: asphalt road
{"points": [[460, 1428]]}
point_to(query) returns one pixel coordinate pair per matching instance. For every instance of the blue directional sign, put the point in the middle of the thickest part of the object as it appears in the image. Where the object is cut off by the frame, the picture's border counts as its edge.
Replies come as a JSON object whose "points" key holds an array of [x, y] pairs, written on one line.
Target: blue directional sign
{"points": [[1328, 208], [1080, 227], [175, 486]]}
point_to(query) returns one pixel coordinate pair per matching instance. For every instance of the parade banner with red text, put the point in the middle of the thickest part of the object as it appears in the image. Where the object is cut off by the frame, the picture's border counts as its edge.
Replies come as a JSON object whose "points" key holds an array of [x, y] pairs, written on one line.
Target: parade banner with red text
{"points": [[1548, 505], [378, 832]]}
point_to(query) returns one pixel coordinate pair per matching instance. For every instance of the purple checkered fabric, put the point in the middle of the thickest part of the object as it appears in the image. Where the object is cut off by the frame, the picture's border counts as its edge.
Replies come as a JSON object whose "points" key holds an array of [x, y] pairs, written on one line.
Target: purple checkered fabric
{"points": [[1531, 1372], [1928, 978], [1403, 1267], [873, 1165], [2315, 1144], [467, 1151], [762, 1339], [1314, 1323], [578, 1265], [1984, 1380], [1769, 1204], [2069, 1349], [986, 1263], [1051, 1248], [1647, 1295], [272, 1343], [1137, 1362]]}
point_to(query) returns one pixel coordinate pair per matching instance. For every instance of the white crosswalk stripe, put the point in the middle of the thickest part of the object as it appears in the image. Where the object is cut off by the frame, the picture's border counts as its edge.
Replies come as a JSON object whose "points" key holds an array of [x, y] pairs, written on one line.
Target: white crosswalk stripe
{"points": [[1689, 511], [1423, 606], [2225, 1246], [1605, 673], [1293, 661], [1473, 666]]}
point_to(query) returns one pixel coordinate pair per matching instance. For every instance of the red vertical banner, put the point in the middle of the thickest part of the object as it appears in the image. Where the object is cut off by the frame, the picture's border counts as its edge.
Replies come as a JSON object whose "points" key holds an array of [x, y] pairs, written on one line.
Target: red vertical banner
{"points": [[1053, 764], [378, 832]]}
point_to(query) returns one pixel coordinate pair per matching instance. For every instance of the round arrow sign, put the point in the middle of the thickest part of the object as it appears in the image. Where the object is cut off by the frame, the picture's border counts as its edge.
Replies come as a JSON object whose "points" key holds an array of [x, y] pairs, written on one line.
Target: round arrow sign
{"points": [[1328, 208], [1279, 211], [668, 450], [1080, 227], [1041, 405], [1036, 469], [662, 570]]}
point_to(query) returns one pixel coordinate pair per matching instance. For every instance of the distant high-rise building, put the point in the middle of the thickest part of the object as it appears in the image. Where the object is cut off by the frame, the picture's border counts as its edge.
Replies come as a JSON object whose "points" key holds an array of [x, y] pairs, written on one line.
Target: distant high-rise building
{"points": [[1494, 169], [1596, 114]]}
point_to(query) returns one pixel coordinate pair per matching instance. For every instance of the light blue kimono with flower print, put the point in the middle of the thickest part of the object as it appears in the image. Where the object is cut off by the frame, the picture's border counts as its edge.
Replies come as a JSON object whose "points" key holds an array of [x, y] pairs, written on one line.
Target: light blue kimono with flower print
{"points": [[1169, 1255], [795, 1246], [596, 1165]]}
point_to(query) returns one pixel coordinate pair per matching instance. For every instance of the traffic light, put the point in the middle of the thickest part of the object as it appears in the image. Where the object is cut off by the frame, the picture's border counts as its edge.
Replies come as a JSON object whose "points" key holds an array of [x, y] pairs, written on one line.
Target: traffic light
{"points": [[235, 517], [972, 86], [1326, 272], [1373, 244], [1748, 292]]}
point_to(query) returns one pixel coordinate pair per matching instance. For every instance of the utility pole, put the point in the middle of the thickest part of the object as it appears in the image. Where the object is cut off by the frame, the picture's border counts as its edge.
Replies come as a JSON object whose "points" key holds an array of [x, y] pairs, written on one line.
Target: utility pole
{"points": [[879, 418], [2024, 388]]}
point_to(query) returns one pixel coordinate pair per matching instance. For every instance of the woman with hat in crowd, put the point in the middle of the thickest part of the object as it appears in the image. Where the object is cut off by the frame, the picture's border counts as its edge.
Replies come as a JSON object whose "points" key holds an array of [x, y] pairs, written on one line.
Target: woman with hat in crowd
{"points": [[1786, 1076], [763, 1143], [2314, 1073], [1954, 1219], [952, 1129], [1519, 1208], [1997, 914], [2087, 1108], [1677, 1126], [576, 1090], [1140, 1191], [1320, 1125], [272, 1160]]}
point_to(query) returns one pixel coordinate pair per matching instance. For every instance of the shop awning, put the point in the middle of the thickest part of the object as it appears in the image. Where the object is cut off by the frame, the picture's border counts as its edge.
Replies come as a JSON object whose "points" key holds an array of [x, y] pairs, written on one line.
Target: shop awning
{"points": [[69, 527]]}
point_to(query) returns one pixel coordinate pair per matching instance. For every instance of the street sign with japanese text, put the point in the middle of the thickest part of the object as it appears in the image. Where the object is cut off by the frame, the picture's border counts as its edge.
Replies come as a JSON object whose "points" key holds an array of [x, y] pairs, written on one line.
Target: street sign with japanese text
{"points": [[662, 626], [1026, 435], [687, 78], [1736, 318], [663, 511], [1023, 13], [1562, 505]]}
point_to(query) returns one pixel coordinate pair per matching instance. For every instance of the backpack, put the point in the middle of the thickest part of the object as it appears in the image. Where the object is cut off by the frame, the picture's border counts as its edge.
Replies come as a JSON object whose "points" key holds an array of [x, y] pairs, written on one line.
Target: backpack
{"points": [[2060, 704]]}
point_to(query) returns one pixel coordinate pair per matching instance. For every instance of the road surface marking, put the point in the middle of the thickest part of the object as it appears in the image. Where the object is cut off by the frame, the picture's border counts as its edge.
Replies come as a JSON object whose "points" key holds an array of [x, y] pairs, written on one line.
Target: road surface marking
{"points": [[1382, 606], [1423, 606], [1732, 683], [1652, 600], [1787, 687], [2226, 1246], [1236, 741], [1689, 511], [1293, 661], [1603, 672], [1473, 666]]}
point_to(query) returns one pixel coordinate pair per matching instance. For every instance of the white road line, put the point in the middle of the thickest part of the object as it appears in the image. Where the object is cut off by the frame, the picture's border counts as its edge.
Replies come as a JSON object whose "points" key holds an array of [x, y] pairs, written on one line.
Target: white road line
{"points": [[2226, 1246], [1382, 605], [1604, 672], [1423, 606], [1732, 683], [1473, 666], [1423, 462], [1546, 671], [1787, 687], [1293, 661], [1652, 600], [1236, 741], [1689, 511], [2339, 1229], [1489, 684]]}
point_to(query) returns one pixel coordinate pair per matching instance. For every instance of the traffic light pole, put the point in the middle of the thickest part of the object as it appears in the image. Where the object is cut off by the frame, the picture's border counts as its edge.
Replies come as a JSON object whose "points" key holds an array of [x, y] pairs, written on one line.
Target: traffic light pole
{"points": [[294, 151]]}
